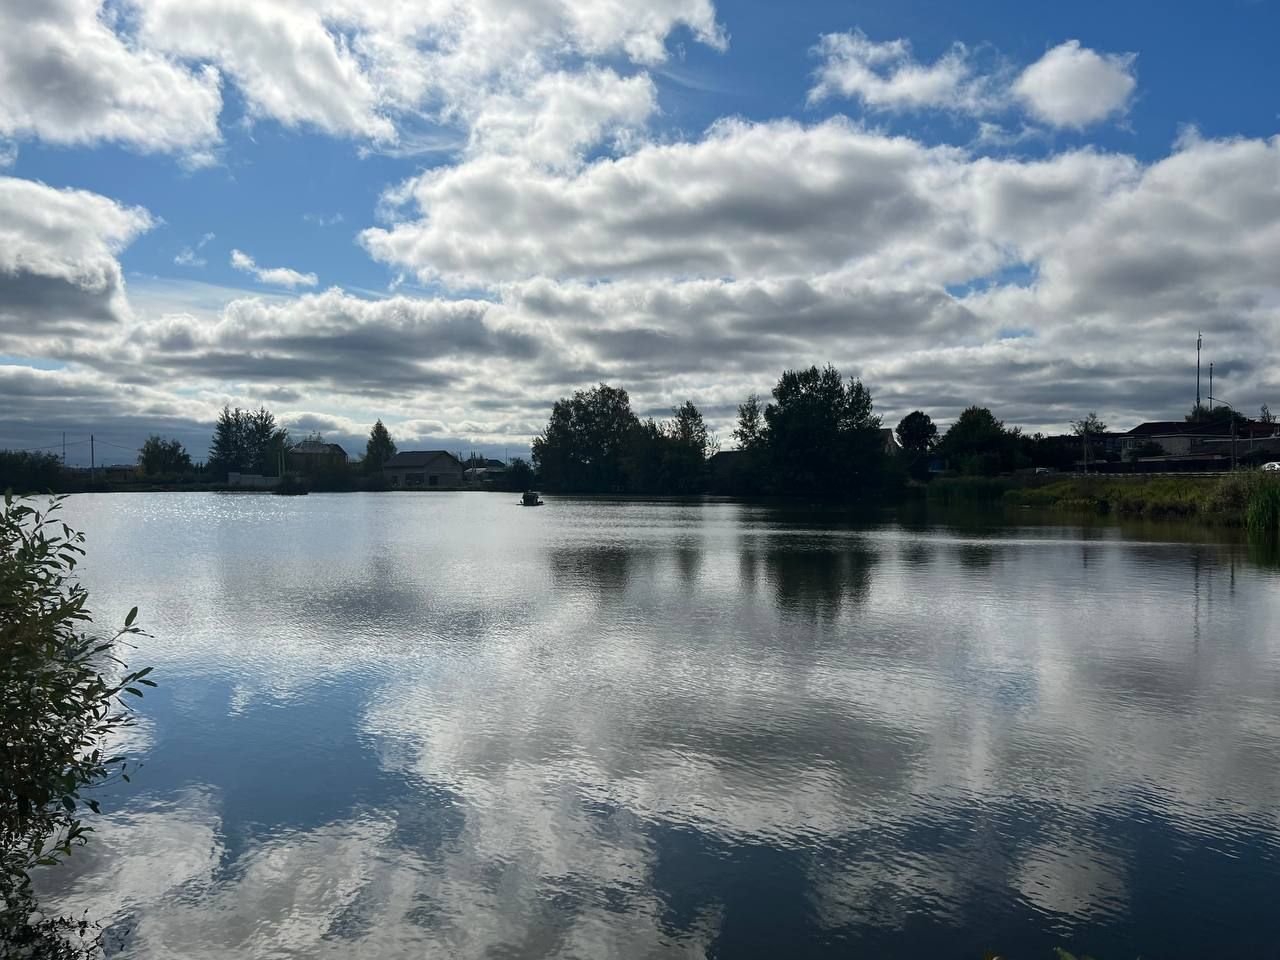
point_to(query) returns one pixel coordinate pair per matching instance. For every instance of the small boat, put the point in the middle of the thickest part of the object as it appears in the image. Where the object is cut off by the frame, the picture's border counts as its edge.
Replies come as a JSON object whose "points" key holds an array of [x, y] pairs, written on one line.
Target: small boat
{"points": [[531, 499]]}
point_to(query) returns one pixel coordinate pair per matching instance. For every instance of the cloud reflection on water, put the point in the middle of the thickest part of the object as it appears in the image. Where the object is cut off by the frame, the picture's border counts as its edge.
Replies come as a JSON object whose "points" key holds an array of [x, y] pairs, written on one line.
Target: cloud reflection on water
{"points": [[920, 723]]}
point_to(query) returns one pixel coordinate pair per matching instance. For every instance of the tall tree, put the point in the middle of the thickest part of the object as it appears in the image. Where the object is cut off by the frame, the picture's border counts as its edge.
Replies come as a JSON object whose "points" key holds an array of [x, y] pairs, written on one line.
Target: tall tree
{"points": [[247, 441], [584, 441], [379, 449], [822, 436], [163, 456], [917, 432], [1086, 428], [917, 435], [750, 429], [978, 443], [1265, 415]]}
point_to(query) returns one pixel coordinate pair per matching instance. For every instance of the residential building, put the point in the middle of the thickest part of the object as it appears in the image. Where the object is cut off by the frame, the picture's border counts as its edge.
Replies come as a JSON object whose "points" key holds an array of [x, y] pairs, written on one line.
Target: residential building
{"points": [[313, 456], [415, 469]]}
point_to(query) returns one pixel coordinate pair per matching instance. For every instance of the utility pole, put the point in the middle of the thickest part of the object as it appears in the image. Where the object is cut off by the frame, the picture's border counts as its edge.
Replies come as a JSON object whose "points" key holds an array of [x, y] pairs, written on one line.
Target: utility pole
{"points": [[64, 449], [1199, 340], [93, 463], [1211, 386]]}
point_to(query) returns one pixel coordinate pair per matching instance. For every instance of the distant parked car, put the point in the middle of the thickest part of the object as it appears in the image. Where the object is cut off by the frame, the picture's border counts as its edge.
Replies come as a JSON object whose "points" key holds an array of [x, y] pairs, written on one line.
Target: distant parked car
{"points": [[1273, 466]]}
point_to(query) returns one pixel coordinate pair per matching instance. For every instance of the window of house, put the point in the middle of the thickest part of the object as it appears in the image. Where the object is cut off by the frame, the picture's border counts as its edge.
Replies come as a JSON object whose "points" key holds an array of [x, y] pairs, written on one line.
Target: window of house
{"points": [[435, 481], [414, 479]]}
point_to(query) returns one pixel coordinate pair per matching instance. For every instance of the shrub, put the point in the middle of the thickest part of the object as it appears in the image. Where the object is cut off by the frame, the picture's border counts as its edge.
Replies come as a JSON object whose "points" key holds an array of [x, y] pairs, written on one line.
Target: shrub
{"points": [[1262, 515], [61, 699]]}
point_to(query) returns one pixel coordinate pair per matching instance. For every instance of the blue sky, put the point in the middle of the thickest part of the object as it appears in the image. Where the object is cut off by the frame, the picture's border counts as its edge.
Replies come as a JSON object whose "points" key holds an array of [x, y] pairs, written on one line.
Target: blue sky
{"points": [[670, 200]]}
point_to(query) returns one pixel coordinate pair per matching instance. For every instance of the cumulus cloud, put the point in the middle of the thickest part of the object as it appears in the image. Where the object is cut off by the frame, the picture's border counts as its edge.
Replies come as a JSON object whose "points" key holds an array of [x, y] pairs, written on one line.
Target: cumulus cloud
{"points": [[67, 77], [553, 120], [58, 266], [1073, 86], [275, 276], [886, 76], [81, 71], [747, 200]]}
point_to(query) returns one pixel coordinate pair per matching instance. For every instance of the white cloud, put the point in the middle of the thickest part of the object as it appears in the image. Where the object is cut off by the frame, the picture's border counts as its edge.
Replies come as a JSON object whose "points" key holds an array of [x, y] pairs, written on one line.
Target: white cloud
{"points": [[318, 82], [358, 69], [275, 276], [84, 71], [58, 249], [67, 77], [561, 114], [746, 200], [190, 256], [1073, 86], [885, 75]]}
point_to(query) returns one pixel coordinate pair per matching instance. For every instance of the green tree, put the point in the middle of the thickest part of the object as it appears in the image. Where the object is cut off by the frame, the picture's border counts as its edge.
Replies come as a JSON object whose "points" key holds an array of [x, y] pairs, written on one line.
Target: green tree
{"points": [[688, 444], [978, 443], [584, 442], [1086, 428], [749, 433], [61, 698], [917, 432], [822, 436], [163, 456], [247, 441], [1265, 415], [520, 474], [29, 471], [379, 449]]}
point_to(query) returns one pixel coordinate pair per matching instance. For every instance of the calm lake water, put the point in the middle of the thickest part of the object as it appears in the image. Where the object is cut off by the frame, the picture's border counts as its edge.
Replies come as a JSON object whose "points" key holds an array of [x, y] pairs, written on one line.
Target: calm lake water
{"points": [[440, 725]]}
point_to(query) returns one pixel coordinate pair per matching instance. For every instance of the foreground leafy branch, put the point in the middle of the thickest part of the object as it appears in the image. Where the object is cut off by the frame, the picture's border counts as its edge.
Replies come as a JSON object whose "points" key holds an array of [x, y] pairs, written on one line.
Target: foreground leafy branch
{"points": [[64, 698]]}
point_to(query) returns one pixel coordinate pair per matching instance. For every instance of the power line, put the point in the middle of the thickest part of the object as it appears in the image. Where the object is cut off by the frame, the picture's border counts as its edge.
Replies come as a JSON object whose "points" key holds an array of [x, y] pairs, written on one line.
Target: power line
{"points": [[51, 446]]}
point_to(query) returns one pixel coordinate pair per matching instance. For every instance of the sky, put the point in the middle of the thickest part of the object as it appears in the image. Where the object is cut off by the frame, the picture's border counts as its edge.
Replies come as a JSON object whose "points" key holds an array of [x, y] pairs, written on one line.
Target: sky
{"points": [[448, 214]]}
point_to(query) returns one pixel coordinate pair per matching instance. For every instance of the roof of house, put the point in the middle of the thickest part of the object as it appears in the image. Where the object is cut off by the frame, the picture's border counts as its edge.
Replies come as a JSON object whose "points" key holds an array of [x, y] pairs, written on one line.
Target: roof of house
{"points": [[315, 448], [419, 458], [1204, 428]]}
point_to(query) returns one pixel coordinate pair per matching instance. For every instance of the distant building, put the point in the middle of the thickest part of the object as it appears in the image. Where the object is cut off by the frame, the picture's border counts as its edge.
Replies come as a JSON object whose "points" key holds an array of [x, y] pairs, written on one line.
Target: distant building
{"points": [[1182, 438], [412, 469], [310, 457], [478, 469]]}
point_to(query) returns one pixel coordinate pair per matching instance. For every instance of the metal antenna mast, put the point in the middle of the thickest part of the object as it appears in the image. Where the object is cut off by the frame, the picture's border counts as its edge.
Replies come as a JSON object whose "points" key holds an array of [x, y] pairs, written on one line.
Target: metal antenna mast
{"points": [[1199, 340]]}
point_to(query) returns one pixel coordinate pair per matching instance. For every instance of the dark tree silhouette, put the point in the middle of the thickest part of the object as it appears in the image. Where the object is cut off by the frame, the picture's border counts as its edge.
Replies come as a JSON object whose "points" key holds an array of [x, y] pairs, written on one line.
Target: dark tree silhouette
{"points": [[917, 435], [379, 449], [247, 442], [978, 443], [584, 442], [750, 429], [163, 456], [821, 435], [917, 432]]}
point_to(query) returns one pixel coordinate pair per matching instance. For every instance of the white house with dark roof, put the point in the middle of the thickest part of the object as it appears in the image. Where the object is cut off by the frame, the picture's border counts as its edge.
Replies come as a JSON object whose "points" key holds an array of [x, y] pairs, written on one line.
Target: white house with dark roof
{"points": [[423, 469]]}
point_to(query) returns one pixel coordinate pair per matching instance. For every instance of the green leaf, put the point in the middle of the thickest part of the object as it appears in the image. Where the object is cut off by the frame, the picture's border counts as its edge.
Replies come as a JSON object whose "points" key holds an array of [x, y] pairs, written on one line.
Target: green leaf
{"points": [[134, 690], [68, 803], [133, 615]]}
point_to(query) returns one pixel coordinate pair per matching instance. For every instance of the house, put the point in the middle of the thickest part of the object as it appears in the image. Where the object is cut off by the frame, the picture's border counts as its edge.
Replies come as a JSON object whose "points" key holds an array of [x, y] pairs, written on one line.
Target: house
{"points": [[1181, 438], [889, 442], [412, 469], [478, 469], [313, 456]]}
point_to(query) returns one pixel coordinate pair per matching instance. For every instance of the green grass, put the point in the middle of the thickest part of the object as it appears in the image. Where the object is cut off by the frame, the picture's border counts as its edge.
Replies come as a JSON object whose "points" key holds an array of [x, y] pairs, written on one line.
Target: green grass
{"points": [[1248, 498]]}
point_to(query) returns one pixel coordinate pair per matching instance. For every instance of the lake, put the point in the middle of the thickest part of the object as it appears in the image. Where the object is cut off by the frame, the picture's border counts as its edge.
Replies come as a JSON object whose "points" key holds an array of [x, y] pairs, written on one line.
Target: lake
{"points": [[440, 725]]}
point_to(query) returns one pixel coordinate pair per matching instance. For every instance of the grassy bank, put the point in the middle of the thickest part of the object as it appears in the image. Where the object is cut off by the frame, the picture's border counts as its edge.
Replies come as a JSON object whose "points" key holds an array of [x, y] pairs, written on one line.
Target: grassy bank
{"points": [[1247, 498]]}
